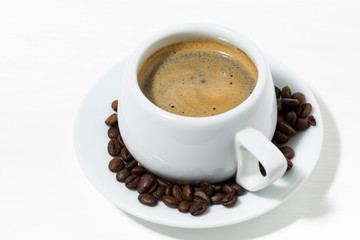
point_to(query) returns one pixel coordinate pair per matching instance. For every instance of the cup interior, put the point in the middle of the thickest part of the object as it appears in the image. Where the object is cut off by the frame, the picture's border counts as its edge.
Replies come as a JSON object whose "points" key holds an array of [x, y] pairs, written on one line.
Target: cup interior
{"points": [[195, 32]]}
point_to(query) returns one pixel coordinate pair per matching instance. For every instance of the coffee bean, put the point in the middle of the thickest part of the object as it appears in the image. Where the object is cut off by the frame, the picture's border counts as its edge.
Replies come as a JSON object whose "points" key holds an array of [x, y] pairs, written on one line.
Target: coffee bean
{"points": [[147, 199], [288, 152], [168, 189], [198, 208], [130, 165], [162, 182], [229, 200], [207, 188], [301, 124], [114, 105], [239, 190], [217, 198], [120, 140], [201, 196], [184, 206], [281, 137], [279, 105], [277, 92], [299, 96], [291, 117], [122, 175], [153, 188], [116, 164], [286, 92], [132, 181], [210, 190], [227, 189], [146, 182], [287, 128], [262, 169], [114, 147], [188, 192], [307, 110], [112, 120], [289, 164], [170, 201], [290, 102], [312, 120], [176, 192], [160, 191], [138, 170], [113, 132], [125, 154], [303, 110]]}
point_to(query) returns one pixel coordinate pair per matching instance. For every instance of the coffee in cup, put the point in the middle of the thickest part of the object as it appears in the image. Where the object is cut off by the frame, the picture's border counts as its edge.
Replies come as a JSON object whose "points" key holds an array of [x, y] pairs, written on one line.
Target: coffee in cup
{"points": [[197, 78]]}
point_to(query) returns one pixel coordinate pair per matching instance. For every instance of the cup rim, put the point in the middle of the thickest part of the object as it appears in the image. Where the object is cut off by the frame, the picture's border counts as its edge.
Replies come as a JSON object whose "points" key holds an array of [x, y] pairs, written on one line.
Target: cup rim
{"points": [[142, 52]]}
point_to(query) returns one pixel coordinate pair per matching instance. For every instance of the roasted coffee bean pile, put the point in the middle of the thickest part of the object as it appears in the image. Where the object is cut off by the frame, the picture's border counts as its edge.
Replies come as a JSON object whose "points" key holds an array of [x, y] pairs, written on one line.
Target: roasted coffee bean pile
{"points": [[152, 189], [293, 116]]}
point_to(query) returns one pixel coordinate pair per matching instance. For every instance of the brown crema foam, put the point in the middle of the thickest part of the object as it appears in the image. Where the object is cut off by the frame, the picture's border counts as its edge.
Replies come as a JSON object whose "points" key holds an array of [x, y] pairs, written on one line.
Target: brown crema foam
{"points": [[197, 78]]}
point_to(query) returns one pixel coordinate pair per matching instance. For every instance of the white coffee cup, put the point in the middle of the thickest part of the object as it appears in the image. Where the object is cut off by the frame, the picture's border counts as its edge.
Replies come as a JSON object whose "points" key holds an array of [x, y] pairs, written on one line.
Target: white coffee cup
{"points": [[193, 149]]}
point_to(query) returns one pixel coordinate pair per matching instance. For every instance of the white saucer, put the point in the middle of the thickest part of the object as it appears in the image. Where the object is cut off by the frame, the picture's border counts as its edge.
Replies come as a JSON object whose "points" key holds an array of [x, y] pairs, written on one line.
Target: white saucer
{"points": [[91, 148]]}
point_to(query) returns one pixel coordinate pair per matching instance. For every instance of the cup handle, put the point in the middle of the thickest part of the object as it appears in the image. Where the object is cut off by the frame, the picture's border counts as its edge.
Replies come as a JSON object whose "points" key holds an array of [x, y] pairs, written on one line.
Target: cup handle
{"points": [[251, 147]]}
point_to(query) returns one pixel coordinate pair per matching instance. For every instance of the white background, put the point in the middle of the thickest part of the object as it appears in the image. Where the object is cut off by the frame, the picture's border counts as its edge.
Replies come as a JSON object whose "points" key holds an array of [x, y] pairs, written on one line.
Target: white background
{"points": [[52, 52]]}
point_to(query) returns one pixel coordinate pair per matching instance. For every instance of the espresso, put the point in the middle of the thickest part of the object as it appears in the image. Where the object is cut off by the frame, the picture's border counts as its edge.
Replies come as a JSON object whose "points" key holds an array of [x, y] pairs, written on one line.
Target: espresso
{"points": [[197, 78]]}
